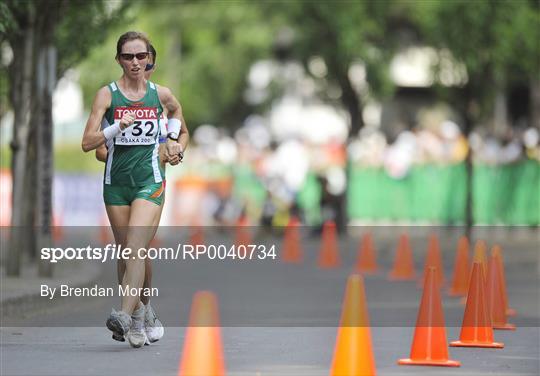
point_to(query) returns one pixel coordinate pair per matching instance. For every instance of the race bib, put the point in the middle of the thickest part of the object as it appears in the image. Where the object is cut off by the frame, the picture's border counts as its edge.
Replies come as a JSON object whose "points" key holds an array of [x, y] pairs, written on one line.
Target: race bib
{"points": [[144, 129]]}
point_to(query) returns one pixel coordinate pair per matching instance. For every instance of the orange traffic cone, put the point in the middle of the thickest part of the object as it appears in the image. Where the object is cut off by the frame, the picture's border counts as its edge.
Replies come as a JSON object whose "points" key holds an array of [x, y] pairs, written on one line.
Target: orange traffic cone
{"points": [[497, 251], [460, 280], [495, 300], [329, 253], [243, 236], [203, 350], [476, 330], [353, 354], [429, 347], [403, 269], [196, 236], [366, 260], [57, 230], [292, 250], [433, 258], [480, 255]]}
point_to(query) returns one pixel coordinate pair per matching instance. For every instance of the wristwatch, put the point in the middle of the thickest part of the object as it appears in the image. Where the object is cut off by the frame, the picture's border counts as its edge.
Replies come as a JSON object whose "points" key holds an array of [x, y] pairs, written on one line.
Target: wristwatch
{"points": [[173, 136]]}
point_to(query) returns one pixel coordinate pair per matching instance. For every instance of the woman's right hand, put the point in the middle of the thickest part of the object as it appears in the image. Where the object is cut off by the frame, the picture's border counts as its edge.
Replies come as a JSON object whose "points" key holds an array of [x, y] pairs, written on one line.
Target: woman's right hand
{"points": [[127, 119]]}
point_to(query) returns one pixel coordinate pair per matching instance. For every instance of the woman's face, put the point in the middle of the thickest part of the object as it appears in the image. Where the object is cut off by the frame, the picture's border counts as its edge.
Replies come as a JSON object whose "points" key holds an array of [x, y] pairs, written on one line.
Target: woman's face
{"points": [[133, 67]]}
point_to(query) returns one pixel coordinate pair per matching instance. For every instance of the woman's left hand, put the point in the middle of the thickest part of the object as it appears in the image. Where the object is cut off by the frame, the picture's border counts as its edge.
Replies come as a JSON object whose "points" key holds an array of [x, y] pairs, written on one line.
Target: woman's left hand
{"points": [[173, 152]]}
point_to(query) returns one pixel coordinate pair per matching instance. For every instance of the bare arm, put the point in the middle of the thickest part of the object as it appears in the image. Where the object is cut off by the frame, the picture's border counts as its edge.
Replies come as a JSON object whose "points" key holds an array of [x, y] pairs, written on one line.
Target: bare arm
{"points": [[93, 136], [101, 153], [174, 111], [183, 139]]}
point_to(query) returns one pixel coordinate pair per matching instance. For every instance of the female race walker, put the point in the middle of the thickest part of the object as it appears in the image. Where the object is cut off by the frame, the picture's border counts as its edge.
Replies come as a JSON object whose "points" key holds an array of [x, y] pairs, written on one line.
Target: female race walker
{"points": [[133, 179], [153, 327]]}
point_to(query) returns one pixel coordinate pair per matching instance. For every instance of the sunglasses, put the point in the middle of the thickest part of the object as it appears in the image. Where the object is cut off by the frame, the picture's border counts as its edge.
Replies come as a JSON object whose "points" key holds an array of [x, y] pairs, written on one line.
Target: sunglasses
{"points": [[139, 56]]}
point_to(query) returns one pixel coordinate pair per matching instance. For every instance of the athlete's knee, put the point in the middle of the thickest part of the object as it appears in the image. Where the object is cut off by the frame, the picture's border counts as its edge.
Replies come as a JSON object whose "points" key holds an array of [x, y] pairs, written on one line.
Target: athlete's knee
{"points": [[138, 252], [135, 251], [142, 253]]}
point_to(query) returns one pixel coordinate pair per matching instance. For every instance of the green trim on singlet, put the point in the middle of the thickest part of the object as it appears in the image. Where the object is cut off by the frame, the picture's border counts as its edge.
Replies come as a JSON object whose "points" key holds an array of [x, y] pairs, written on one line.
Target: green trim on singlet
{"points": [[133, 165]]}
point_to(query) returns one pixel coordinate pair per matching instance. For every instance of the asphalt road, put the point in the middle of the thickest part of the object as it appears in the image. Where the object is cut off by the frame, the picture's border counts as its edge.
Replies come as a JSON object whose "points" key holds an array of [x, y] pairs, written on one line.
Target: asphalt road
{"points": [[278, 319]]}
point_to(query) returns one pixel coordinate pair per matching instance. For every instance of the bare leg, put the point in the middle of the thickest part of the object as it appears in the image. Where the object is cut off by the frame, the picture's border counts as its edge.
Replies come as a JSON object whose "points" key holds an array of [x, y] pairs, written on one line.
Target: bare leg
{"points": [[140, 231], [147, 280], [119, 218], [148, 264]]}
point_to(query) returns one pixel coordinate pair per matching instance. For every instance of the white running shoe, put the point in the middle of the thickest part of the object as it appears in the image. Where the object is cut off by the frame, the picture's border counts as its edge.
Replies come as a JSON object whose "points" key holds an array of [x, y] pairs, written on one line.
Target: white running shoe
{"points": [[152, 326], [119, 323], [136, 335]]}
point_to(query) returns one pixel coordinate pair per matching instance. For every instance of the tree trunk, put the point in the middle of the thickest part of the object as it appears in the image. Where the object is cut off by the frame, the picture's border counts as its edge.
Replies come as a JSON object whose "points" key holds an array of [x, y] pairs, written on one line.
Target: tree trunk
{"points": [[351, 101], [535, 102], [500, 113], [32, 80], [469, 168], [45, 83], [21, 73]]}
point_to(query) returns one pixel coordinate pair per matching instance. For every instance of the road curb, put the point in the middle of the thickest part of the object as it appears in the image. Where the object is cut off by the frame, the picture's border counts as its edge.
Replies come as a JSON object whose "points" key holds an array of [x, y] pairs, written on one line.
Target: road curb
{"points": [[27, 300]]}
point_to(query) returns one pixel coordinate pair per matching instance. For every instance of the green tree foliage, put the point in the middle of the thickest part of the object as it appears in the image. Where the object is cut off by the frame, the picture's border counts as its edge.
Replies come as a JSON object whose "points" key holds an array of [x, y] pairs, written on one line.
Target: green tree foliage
{"points": [[343, 33], [205, 49], [82, 24], [86, 24], [45, 38], [496, 40]]}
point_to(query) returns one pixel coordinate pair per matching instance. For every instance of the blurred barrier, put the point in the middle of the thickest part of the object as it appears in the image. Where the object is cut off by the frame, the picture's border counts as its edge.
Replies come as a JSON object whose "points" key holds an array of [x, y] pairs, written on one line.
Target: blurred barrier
{"points": [[428, 192], [508, 194], [248, 189], [187, 200], [309, 199], [77, 199]]}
